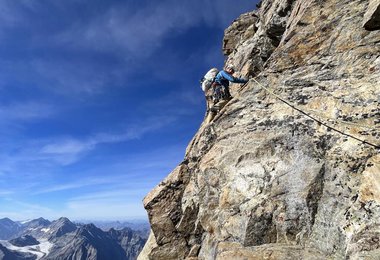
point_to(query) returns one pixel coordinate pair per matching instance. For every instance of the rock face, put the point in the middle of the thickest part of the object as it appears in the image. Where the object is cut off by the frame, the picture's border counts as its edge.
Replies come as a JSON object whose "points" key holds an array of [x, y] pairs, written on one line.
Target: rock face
{"points": [[290, 168], [24, 241], [88, 242], [36, 223], [60, 227], [131, 242]]}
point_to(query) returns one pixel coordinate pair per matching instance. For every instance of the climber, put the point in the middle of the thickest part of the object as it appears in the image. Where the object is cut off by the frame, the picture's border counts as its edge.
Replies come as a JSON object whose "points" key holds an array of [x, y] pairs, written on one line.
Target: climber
{"points": [[220, 90]]}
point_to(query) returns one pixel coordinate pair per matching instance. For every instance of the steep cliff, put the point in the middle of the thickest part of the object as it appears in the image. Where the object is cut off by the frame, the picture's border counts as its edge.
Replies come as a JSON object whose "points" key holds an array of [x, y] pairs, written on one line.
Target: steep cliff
{"points": [[290, 168]]}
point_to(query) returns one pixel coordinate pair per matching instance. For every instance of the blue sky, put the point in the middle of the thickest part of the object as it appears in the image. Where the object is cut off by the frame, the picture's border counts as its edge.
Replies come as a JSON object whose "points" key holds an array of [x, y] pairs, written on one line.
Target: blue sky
{"points": [[99, 99]]}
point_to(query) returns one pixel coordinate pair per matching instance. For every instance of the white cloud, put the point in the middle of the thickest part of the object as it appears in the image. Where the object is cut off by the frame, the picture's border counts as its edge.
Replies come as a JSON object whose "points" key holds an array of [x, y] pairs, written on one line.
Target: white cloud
{"points": [[138, 32], [81, 183], [34, 160], [74, 77], [135, 32], [119, 31], [68, 76], [14, 13], [67, 146], [131, 173], [25, 111], [69, 150], [19, 210], [123, 37], [120, 186]]}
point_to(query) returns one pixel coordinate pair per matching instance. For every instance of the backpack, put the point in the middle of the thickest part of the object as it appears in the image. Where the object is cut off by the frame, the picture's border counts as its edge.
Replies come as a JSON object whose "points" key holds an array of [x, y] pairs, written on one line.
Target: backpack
{"points": [[208, 79]]}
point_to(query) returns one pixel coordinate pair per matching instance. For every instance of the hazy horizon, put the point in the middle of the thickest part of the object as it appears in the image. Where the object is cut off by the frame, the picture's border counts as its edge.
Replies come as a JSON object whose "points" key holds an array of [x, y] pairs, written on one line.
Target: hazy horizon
{"points": [[131, 220]]}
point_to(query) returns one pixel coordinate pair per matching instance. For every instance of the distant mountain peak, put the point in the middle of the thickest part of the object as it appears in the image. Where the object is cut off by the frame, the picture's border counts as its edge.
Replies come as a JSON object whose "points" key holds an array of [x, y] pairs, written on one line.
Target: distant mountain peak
{"points": [[37, 223], [8, 227], [64, 219], [62, 239], [61, 226], [6, 219]]}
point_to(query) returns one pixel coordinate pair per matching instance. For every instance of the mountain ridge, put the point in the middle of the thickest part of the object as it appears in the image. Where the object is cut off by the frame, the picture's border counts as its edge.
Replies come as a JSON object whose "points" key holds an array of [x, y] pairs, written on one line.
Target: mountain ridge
{"points": [[62, 239]]}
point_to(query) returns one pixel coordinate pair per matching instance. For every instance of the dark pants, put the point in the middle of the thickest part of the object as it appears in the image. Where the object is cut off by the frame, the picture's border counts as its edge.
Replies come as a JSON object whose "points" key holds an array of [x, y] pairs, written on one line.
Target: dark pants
{"points": [[216, 97]]}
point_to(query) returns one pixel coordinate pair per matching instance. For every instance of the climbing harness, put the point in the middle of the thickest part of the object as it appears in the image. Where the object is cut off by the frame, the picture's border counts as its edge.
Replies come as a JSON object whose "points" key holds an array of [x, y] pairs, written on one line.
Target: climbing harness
{"points": [[220, 93]]}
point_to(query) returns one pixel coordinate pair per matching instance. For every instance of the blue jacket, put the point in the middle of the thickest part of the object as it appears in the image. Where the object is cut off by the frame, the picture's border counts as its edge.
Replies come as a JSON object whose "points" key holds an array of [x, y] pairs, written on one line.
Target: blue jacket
{"points": [[224, 79]]}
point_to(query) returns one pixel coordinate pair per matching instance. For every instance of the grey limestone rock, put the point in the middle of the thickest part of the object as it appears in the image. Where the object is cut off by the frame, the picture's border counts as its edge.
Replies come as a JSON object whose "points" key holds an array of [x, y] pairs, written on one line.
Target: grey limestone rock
{"points": [[290, 167]]}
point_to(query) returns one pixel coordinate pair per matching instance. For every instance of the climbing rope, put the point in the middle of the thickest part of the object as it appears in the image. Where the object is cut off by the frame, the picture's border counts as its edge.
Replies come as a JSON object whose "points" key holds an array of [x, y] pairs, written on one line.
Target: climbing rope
{"points": [[318, 120]]}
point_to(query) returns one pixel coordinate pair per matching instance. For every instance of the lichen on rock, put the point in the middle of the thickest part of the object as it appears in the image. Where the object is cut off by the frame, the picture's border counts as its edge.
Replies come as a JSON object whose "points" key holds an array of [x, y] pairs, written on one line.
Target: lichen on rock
{"points": [[290, 168]]}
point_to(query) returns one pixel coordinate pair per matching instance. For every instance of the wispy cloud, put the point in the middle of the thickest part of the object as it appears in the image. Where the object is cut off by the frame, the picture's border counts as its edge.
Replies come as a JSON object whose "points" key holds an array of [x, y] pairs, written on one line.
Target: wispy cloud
{"points": [[81, 183], [36, 160], [19, 210], [129, 174], [75, 77], [9, 15], [72, 113], [134, 32], [125, 194], [96, 192], [69, 150], [5, 193], [140, 31], [25, 111], [120, 33], [15, 14]]}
